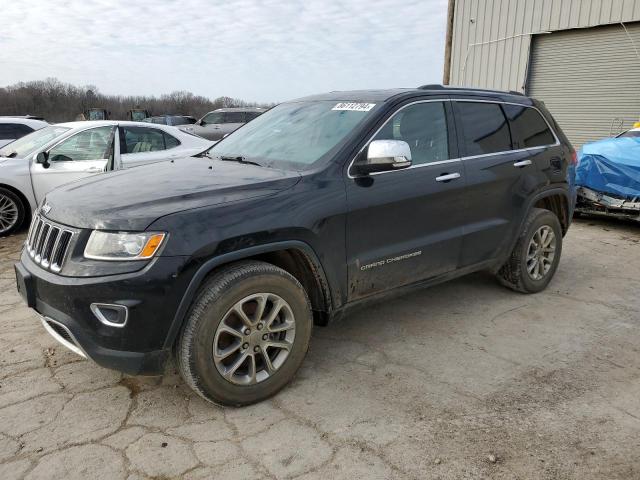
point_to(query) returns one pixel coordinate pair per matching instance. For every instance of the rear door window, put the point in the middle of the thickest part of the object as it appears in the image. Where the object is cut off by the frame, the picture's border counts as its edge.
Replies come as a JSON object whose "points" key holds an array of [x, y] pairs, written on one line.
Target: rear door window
{"points": [[485, 128], [234, 117], [141, 139], [528, 127]]}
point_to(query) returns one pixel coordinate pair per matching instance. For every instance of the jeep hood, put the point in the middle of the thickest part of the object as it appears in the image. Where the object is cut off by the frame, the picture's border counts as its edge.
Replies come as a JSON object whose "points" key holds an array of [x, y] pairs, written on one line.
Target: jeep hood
{"points": [[133, 199]]}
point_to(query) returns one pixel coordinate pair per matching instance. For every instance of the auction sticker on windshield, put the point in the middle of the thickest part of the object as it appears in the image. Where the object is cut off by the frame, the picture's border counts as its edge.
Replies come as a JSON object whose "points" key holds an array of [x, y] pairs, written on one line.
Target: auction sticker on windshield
{"points": [[354, 107]]}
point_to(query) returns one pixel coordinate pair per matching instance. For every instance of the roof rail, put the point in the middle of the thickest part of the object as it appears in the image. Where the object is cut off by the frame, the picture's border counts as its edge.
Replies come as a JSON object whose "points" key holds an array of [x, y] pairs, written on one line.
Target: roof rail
{"points": [[437, 86], [432, 86]]}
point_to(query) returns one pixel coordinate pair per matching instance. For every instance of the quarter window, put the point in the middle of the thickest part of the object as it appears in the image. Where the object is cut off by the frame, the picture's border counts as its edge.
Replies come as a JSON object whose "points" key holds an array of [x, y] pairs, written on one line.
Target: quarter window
{"points": [[92, 144], [485, 128], [170, 141], [248, 116], [424, 127], [528, 126]]}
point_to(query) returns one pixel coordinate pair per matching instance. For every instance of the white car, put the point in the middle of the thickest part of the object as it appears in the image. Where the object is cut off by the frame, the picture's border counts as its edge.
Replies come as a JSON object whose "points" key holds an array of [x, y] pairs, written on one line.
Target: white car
{"points": [[12, 128], [57, 154]]}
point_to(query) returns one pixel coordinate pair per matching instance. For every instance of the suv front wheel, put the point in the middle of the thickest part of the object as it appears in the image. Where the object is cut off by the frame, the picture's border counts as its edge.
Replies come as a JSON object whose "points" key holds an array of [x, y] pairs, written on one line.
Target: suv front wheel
{"points": [[535, 258], [246, 335]]}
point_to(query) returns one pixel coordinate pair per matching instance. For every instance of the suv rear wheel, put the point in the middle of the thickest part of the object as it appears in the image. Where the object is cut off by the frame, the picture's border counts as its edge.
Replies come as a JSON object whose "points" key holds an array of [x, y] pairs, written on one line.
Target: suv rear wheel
{"points": [[535, 258], [246, 335]]}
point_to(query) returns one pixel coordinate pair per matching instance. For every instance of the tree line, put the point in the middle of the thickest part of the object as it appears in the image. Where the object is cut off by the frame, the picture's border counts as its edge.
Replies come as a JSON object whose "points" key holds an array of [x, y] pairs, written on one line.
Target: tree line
{"points": [[62, 102]]}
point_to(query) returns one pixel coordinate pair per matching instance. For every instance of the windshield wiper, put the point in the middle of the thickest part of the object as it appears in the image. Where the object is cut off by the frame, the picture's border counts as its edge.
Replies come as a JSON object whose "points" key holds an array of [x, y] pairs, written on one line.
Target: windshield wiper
{"points": [[238, 158]]}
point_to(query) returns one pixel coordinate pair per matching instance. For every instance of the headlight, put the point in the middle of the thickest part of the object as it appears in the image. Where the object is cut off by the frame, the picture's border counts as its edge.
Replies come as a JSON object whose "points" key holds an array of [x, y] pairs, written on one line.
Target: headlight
{"points": [[122, 246]]}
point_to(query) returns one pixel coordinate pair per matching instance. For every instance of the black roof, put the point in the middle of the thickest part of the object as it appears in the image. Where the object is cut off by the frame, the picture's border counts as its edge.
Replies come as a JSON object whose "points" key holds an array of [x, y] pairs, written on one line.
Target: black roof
{"points": [[400, 93]]}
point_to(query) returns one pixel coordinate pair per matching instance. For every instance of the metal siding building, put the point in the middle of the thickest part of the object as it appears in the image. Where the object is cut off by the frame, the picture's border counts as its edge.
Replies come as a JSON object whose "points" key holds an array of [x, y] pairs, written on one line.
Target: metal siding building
{"points": [[581, 57]]}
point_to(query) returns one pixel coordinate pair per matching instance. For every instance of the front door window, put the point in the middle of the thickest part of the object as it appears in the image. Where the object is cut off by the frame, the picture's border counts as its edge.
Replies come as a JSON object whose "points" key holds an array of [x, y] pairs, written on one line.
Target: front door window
{"points": [[92, 144]]}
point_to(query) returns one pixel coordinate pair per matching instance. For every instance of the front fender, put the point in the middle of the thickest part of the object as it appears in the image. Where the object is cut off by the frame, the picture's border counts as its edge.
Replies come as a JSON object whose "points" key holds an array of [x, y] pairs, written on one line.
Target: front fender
{"points": [[17, 177], [208, 266]]}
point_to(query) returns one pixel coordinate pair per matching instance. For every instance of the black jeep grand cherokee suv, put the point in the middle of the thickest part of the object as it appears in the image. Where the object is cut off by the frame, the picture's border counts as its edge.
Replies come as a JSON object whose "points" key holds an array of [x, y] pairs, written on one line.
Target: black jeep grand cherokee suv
{"points": [[226, 261]]}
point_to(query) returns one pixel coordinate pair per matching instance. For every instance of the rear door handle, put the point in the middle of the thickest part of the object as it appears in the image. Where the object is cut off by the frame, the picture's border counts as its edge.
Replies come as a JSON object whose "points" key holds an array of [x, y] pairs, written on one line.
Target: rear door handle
{"points": [[447, 177], [523, 163]]}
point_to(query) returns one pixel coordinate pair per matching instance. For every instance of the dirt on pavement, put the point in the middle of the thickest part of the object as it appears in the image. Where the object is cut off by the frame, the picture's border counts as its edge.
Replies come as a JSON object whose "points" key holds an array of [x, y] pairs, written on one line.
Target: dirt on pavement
{"points": [[463, 380]]}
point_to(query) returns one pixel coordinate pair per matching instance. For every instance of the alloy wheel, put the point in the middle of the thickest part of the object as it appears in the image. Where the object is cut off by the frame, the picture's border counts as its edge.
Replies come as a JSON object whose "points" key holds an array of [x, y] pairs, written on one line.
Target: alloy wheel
{"points": [[254, 339], [541, 252], [8, 213]]}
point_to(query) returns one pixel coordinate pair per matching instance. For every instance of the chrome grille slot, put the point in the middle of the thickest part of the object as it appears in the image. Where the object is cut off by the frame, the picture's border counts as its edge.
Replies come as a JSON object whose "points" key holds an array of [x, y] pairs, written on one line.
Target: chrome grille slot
{"points": [[44, 234], [36, 232], [60, 250], [48, 243]]}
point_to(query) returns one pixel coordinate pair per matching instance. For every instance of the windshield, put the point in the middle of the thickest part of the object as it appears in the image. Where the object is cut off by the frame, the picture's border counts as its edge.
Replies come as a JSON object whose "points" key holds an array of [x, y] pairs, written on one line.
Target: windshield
{"points": [[28, 144], [294, 135], [630, 133]]}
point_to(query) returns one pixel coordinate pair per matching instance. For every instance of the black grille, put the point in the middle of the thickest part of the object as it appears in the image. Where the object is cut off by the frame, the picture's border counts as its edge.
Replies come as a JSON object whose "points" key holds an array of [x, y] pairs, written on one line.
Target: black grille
{"points": [[48, 243]]}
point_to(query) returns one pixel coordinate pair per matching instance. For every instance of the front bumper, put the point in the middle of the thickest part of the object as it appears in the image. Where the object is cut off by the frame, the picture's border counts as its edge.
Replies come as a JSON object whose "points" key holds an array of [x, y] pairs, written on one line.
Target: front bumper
{"points": [[152, 296]]}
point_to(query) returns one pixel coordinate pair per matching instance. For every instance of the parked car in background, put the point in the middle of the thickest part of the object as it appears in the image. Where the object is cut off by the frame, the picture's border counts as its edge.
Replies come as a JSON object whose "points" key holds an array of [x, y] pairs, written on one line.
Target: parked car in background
{"points": [[12, 128], [608, 177], [318, 205], [215, 125], [173, 120], [61, 153], [634, 132]]}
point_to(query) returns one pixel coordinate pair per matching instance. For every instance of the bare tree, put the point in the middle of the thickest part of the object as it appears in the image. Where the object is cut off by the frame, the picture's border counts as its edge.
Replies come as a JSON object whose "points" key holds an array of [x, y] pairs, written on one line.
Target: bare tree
{"points": [[59, 102]]}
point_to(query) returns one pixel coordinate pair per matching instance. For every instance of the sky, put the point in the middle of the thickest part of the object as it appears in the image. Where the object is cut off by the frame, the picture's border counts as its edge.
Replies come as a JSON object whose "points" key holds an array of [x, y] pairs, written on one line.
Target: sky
{"points": [[257, 50]]}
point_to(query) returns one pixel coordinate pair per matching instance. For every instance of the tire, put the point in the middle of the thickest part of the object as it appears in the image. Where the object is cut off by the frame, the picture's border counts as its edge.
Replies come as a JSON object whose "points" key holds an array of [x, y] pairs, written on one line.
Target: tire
{"points": [[214, 313], [12, 212], [515, 273]]}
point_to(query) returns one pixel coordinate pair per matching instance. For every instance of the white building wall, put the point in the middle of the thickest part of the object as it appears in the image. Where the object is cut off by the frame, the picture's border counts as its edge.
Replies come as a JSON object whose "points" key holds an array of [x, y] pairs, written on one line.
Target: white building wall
{"points": [[492, 38]]}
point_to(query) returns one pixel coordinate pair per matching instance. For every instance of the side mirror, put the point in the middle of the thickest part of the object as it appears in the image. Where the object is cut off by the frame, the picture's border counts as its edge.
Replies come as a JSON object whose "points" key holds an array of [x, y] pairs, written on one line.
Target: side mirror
{"points": [[43, 159], [383, 155], [202, 123]]}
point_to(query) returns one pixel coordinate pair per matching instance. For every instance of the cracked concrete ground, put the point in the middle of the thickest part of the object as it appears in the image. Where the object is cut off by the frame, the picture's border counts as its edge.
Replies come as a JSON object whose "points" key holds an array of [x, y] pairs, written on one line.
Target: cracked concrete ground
{"points": [[463, 380]]}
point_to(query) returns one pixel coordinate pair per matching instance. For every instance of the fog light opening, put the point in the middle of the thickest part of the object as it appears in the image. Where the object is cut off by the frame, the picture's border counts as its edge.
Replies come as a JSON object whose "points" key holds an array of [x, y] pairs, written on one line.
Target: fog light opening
{"points": [[112, 315]]}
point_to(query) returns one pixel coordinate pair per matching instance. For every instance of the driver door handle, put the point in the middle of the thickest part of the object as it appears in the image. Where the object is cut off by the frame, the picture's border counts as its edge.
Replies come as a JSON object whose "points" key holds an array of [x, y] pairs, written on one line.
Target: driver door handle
{"points": [[447, 177], [523, 163], [94, 170]]}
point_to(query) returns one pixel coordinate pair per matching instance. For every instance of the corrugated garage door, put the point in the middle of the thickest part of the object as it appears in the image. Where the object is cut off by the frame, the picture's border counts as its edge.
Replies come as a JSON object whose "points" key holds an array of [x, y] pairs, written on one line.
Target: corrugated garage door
{"points": [[589, 79]]}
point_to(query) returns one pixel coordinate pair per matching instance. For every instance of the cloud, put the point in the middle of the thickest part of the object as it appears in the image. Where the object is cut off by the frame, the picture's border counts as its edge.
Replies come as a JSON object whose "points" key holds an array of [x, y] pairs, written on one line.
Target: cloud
{"points": [[266, 50]]}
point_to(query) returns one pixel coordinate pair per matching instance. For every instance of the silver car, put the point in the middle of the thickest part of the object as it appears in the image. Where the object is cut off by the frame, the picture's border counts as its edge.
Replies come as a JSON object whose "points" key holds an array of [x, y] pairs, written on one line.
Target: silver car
{"points": [[12, 128], [57, 154], [215, 125]]}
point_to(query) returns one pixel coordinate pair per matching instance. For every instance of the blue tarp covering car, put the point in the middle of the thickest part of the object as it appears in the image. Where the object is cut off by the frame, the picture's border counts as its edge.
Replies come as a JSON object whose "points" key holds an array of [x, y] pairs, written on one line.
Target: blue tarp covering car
{"points": [[608, 176]]}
